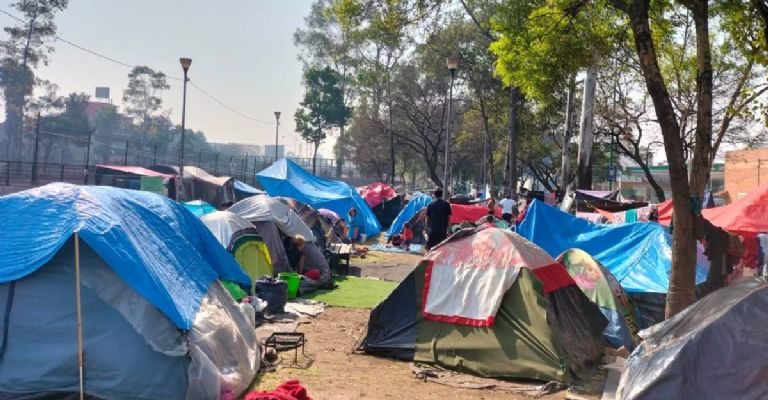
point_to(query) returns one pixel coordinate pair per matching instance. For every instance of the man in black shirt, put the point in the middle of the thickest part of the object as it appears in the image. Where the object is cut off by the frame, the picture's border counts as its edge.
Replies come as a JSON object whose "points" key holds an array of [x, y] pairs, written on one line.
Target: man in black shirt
{"points": [[438, 219]]}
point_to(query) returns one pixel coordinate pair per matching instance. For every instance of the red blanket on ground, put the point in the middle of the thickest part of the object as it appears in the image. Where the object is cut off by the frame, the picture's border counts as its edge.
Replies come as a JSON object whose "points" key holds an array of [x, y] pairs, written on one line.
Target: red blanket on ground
{"points": [[289, 390]]}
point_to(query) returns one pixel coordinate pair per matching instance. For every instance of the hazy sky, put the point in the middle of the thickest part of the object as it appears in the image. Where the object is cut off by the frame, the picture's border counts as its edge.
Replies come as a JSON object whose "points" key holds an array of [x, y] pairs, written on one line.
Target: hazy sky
{"points": [[242, 53]]}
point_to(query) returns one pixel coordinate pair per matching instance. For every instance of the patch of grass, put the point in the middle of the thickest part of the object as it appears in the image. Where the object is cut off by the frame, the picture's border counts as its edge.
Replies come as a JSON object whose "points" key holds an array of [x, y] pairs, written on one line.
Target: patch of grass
{"points": [[354, 292]]}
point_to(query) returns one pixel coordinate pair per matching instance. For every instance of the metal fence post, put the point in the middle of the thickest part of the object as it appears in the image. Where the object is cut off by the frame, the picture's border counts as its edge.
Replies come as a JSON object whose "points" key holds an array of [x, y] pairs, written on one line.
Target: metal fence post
{"points": [[125, 157], [37, 145]]}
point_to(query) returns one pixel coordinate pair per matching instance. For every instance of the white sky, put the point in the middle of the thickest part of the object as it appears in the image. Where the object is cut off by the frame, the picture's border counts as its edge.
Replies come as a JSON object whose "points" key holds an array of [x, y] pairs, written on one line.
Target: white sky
{"points": [[242, 53]]}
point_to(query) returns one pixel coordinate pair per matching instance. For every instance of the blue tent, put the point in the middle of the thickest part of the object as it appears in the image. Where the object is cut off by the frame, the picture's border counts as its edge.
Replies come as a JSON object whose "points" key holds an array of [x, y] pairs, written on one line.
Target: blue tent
{"points": [[418, 201], [639, 255], [154, 315], [287, 179], [199, 208], [158, 248]]}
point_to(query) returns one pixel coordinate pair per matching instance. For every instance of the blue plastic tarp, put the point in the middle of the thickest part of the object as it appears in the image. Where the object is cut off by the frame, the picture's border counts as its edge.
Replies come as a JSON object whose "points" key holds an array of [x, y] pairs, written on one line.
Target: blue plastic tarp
{"points": [[639, 255], [151, 242], [417, 202], [287, 179], [246, 188], [199, 208]]}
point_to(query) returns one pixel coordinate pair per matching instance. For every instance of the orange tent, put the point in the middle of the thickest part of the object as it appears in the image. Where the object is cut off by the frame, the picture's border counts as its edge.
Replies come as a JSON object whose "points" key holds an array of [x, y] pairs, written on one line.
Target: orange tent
{"points": [[746, 217]]}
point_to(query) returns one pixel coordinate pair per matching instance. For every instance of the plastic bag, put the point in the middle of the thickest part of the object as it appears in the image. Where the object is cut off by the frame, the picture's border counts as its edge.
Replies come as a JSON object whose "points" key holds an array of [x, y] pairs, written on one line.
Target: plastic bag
{"points": [[274, 292]]}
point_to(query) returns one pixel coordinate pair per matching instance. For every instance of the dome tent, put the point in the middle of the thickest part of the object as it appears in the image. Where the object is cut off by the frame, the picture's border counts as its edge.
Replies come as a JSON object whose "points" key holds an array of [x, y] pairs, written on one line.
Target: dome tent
{"points": [[265, 208], [149, 276], [604, 290], [242, 240], [449, 311]]}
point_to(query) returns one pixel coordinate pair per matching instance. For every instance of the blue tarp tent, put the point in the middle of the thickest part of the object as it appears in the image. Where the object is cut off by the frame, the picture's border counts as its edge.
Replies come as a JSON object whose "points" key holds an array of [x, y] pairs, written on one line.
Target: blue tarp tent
{"points": [[639, 255], [158, 248], [148, 273], [287, 179], [417, 202]]}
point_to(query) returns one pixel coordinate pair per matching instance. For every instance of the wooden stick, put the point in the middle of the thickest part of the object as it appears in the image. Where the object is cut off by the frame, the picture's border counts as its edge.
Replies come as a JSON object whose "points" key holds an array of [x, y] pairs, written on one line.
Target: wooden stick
{"points": [[79, 317]]}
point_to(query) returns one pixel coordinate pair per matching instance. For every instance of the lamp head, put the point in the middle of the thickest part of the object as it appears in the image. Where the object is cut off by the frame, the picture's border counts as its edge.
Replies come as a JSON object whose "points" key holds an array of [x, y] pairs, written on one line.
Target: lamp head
{"points": [[452, 63], [185, 63], [277, 115]]}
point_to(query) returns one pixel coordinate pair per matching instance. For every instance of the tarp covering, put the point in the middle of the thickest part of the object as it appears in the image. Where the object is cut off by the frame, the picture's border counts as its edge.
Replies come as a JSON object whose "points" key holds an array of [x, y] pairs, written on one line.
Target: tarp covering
{"points": [[200, 185], [158, 248], [127, 170], [470, 213], [320, 227], [602, 289], [714, 349], [468, 275], [199, 208], [746, 217], [265, 208], [244, 190], [417, 202], [376, 193], [286, 178], [639, 255]]}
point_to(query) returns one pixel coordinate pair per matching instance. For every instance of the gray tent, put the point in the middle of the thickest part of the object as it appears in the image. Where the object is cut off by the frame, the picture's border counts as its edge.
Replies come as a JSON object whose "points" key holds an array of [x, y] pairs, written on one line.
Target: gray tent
{"points": [[714, 349]]}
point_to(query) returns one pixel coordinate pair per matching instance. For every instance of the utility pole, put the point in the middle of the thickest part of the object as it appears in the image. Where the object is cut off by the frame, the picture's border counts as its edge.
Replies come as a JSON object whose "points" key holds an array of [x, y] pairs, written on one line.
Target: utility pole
{"points": [[277, 130], [565, 162], [154, 155], [125, 156], [586, 134], [37, 146], [87, 156], [452, 63]]}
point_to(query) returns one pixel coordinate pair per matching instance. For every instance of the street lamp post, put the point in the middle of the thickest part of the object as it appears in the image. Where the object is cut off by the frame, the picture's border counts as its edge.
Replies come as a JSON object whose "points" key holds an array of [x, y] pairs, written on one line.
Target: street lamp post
{"points": [[277, 130], [452, 63], [185, 63]]}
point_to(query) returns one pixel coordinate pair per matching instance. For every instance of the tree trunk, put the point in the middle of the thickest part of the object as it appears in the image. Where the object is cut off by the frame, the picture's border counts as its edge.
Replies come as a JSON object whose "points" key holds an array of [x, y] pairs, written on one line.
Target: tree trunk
{"points": [[681, 291], [565, 161], [586, 134], [314, 158], [340, 158], [703, 145], [514, 115]]}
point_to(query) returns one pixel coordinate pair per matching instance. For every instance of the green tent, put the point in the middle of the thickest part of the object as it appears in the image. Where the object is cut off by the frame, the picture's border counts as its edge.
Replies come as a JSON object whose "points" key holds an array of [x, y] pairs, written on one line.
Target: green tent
{"points": [[489, 303]]}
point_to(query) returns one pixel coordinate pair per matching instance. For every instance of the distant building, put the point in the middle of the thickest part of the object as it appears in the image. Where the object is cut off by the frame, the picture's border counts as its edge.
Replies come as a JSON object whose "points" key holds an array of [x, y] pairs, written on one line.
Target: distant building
{"points": [[634, 184], [745, 171]]}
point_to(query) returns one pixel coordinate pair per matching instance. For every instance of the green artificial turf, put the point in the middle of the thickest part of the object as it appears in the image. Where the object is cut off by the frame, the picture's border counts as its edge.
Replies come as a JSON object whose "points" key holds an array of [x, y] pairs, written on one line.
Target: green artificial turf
{"points": [[354, 292]]}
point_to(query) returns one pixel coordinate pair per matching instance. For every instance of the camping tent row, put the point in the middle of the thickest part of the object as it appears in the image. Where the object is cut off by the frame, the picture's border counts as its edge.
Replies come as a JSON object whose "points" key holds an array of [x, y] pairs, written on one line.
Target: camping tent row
{"points": [[143, 273], [415, 211], [163, 179], [639, 255], [254, 230]]}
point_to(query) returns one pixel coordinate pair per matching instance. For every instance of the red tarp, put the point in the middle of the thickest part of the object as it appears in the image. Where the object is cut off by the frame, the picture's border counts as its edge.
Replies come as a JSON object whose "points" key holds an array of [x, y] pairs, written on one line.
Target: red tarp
{"points": [[135, 170], [470, 213], [746, 217], [665, 212], [376, 193]]}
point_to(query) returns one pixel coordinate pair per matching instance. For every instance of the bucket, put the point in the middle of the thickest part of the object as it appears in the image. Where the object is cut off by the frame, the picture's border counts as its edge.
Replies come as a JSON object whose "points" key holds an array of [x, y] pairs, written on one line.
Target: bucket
{"points": [[363, 238], [293, 280]]}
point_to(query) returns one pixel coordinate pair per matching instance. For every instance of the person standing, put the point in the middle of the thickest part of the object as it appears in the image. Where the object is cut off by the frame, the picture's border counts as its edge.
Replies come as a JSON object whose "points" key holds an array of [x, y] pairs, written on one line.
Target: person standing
{"points": [[508, 208], [438, 219]]}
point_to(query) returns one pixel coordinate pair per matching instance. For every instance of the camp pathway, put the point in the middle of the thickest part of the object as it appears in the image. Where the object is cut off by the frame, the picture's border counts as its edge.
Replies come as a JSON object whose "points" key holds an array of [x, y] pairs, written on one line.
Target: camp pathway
{"points": [[338, 374]]}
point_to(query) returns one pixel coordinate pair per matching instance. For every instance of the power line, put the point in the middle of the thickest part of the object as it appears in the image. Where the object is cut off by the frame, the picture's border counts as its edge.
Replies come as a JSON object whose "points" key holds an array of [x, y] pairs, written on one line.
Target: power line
{"points": [[127, 65]]}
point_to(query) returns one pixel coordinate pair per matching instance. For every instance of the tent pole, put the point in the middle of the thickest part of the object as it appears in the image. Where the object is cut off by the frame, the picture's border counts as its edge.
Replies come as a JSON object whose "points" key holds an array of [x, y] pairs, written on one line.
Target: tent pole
{"points": [[79, 317]]}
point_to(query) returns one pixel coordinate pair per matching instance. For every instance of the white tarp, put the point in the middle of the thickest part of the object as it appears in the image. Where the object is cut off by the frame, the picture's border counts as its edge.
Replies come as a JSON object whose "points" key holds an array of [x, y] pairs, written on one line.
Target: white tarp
{"points": [[265, 208], [224, 224]]}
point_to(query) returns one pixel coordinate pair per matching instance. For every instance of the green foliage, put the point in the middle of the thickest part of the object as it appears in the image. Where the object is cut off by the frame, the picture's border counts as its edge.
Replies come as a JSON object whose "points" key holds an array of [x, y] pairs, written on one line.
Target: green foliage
{"points": [[143, 95], [542, 42]]}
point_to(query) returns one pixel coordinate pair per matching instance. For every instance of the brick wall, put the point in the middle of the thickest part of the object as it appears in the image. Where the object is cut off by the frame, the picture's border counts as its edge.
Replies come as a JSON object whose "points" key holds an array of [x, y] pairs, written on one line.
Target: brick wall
{"points": [[745, 171]]}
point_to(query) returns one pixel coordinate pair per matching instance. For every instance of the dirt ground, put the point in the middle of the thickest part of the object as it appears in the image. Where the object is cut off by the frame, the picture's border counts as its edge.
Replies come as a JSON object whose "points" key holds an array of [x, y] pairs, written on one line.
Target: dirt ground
{"points": [[332, 371]]}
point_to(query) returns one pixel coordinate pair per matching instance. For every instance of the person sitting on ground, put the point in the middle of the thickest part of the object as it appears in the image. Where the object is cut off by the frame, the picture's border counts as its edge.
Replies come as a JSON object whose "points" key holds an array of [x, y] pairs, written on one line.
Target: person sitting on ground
{"points": [[508, 208], [407, 236], [294, 250]]}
